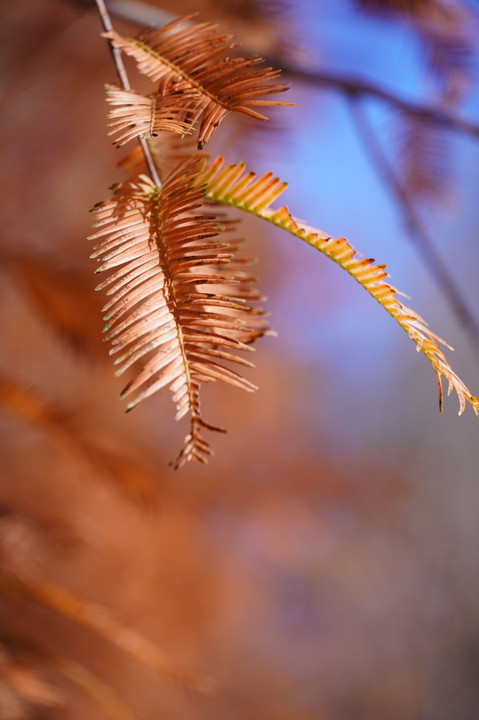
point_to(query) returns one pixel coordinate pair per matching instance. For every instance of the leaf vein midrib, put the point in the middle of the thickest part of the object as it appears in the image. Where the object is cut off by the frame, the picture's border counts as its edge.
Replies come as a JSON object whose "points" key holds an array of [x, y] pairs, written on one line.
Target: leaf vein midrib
{"points": [[170, 296], [185, 75]]}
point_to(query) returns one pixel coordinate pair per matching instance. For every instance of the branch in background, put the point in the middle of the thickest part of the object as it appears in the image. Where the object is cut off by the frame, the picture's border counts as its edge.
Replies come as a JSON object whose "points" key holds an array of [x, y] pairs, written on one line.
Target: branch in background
{"points": [[417, 233], [355, 87]]}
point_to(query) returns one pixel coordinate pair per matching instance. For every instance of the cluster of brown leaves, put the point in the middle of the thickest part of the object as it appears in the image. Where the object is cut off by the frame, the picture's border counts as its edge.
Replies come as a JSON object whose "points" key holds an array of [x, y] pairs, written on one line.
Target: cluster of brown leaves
{"points": [[180, 295], [199, 81], [139, 581]]}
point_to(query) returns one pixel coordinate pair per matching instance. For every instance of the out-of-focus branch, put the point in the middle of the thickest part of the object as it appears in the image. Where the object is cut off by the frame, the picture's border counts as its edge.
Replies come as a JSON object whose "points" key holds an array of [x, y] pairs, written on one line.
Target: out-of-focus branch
{"points": [[356, 87], [98, 620], [142, 14], [417, 232]]}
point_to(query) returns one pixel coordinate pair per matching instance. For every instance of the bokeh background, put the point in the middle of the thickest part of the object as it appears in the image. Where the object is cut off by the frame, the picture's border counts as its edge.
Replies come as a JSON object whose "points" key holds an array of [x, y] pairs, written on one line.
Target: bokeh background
{"points": [[324, 564]]}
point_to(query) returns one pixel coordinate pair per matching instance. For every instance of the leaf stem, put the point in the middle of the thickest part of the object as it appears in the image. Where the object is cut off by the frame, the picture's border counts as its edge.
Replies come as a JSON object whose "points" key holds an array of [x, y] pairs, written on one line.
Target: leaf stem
{"points": [[125, 83]]}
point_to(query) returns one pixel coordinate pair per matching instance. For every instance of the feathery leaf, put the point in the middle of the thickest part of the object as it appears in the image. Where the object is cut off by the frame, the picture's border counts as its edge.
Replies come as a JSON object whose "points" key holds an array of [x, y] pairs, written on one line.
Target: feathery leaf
{"points": [[232, 186], [135, 115], [179, 299], [197, 62]]}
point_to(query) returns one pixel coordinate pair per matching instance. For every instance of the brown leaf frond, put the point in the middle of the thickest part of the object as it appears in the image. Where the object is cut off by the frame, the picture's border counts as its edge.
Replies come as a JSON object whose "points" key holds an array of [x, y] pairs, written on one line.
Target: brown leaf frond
{"points": [[135, 115], [197, 60], [179, 299], [230, 185]]}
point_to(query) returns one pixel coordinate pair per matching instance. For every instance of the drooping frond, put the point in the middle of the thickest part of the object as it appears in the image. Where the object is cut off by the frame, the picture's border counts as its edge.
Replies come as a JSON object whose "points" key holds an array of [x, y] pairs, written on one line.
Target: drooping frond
{"points": [[197, 60], [135, 115], [180, 301], [232, 186]]}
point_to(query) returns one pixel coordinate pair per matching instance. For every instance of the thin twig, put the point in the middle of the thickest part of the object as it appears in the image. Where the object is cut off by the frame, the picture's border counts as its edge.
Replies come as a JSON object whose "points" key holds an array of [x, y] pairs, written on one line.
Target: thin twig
{"points": [[416, 230], [123, 77]]}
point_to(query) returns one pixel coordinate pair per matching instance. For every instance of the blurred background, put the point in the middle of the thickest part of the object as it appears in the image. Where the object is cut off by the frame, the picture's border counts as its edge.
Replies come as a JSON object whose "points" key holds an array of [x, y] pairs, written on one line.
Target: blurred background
{"points": [[324, 564]]}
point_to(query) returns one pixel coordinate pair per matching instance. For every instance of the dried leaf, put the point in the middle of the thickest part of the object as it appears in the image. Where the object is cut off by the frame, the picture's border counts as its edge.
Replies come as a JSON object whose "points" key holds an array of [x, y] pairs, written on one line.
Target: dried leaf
{"points": [[180, 300], [136, 116], [197, 62]]}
